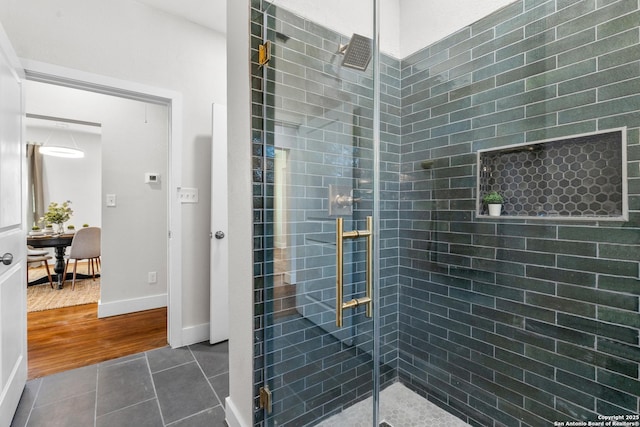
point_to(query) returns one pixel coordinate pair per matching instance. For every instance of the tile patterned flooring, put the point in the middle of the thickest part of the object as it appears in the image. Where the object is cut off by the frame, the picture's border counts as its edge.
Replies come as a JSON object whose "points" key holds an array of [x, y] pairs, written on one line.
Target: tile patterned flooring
{"points": [[399, 407], [184, 387]]}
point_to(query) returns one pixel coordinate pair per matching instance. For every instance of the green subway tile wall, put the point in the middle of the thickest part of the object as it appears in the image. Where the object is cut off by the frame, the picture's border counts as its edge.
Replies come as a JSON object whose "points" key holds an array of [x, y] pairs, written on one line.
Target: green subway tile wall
{"points": [[551, 308], [503, 322]]}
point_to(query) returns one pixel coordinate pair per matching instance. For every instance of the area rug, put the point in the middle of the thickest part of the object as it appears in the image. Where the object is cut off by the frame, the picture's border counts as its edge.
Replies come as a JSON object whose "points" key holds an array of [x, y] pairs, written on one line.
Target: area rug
{"points": [[42, 297]]}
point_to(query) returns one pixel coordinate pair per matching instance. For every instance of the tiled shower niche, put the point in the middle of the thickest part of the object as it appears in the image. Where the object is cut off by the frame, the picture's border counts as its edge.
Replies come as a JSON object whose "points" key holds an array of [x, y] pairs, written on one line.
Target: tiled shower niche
{"points": [[575, 177]]}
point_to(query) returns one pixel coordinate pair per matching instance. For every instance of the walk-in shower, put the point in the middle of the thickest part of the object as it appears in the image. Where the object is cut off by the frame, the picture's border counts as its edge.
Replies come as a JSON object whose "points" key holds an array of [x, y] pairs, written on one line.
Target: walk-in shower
{"points": [[383, 291]]}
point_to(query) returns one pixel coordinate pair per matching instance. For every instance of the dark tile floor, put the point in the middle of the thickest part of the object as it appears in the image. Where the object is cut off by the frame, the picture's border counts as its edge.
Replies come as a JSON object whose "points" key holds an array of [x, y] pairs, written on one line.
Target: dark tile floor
{"points": [[184, 387]]}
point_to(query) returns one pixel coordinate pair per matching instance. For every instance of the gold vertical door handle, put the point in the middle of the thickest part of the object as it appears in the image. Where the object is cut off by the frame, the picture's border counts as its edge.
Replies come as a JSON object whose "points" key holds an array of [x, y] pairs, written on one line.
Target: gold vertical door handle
{"points": [[339, 271], [356, 302], [369, 271]]}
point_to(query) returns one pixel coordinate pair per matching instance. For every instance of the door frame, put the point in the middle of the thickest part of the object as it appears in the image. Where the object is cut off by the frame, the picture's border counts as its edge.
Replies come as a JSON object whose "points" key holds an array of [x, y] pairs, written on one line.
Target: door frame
{"points": [[62, 76]]}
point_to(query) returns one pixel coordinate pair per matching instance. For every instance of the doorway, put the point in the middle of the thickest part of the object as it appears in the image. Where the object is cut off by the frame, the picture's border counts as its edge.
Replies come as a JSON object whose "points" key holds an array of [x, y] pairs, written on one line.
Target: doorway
{"points": [[67, 176], [147, 104]]}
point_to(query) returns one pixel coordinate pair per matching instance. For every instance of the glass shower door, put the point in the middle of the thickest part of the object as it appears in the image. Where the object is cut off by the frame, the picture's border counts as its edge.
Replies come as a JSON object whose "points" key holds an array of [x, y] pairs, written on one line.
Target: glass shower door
{"points": [[315, 161]]}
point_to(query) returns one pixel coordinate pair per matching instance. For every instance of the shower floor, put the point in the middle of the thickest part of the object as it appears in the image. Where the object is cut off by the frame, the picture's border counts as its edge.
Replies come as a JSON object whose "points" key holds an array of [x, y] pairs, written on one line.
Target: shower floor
{"points": [[399, 407]]}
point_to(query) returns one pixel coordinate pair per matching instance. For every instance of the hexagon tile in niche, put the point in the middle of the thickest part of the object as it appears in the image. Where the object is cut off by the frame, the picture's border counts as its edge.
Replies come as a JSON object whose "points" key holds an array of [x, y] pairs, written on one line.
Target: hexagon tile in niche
{"points": [[575, 177]]}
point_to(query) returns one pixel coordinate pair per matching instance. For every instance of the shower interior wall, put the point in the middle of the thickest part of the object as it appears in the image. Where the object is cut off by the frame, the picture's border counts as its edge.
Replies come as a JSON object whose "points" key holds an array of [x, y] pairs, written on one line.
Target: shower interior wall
{"points": [[517, 322]]}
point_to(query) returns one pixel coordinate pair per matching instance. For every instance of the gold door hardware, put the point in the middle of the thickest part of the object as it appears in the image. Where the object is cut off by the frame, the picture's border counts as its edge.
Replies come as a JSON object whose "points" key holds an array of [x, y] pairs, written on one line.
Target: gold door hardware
{"points": [[356, 302], [265, 398], [264, 53]]}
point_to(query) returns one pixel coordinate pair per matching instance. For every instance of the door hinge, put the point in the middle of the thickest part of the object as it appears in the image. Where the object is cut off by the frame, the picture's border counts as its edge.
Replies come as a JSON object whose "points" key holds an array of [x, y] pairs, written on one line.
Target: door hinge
{"points": [[265, 398], [264, 53]]}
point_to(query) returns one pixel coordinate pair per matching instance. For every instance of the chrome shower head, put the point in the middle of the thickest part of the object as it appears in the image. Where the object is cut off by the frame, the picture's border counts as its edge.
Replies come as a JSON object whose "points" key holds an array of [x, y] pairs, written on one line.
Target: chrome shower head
{"points": [[357, 53]]}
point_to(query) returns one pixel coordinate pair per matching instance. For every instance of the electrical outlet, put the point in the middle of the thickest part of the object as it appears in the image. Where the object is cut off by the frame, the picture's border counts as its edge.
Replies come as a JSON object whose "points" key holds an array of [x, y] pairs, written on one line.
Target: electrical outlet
{"points": [[152, 277]]}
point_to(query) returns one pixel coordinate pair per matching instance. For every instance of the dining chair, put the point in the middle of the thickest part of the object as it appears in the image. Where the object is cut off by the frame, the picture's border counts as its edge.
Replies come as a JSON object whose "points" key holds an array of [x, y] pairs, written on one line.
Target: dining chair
{"points": [[84, 246], [38, 256]]}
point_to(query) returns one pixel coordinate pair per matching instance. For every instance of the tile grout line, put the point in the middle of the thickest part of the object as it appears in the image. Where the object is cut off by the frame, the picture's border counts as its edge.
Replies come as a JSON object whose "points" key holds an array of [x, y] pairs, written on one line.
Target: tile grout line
{"points": [[95, 406], [33, 404], [205, 377], [127, 407], [155, 391], [173, 423], [172, 367], [65, 399], [214, 389]]}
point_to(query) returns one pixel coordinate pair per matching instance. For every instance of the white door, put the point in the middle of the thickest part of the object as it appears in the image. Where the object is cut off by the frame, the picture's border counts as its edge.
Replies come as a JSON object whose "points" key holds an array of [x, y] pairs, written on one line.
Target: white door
{"points": [[219, 306], [13, 286]]}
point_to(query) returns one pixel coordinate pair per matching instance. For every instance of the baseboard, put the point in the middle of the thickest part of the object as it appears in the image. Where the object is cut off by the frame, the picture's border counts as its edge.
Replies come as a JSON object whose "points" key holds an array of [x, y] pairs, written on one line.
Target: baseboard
{"points": [[115, 308], [232, 417], [195, 334]]}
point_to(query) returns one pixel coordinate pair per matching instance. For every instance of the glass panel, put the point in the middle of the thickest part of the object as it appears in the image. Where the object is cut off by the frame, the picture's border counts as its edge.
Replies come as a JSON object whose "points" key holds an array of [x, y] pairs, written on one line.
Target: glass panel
{"points": [[493, 320], [317, 155]]}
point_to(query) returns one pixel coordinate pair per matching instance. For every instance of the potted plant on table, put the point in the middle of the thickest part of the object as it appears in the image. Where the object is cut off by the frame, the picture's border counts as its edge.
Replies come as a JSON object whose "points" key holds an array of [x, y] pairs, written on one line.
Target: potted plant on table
{"points": [[494, 201], [35, 231], [58, 214]]}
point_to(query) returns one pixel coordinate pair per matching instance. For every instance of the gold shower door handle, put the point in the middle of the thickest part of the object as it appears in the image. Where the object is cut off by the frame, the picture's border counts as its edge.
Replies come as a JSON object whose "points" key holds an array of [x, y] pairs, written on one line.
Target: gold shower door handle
{"points": [[368, 298]]}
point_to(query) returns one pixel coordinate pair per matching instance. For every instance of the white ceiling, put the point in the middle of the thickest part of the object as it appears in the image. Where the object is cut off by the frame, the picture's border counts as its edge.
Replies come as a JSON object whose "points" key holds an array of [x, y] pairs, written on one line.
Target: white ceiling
{"points": [[209, 13], [212, 13]]}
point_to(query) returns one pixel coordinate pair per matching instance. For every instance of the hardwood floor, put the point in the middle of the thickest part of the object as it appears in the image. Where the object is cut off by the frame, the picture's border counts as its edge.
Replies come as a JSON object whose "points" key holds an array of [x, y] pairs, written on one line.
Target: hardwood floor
{"points": [[72, 337]]}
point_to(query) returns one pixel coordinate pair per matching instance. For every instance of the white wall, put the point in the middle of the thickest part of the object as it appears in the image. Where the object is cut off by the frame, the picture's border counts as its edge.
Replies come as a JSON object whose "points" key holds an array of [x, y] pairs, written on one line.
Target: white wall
{"points": [[134, 140], [239, 406], [130, 41], [424, 22], [134, 238], [78, 180]]}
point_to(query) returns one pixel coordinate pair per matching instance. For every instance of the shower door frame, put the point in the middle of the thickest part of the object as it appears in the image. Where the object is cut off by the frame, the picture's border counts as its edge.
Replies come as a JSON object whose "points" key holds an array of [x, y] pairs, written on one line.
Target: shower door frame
{"points": [[261, 366]]}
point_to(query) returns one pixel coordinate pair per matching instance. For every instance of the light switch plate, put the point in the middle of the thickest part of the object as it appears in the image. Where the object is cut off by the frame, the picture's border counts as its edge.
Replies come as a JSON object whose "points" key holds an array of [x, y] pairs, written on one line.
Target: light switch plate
{"points": [[188, 195], [111, 200]]}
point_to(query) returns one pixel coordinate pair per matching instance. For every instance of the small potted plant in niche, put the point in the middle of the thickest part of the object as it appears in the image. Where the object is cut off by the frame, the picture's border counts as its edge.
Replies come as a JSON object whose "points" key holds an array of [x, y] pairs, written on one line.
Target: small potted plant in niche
{"points": [[71, 228], [85, 225], [494, 201], [35, 231]]}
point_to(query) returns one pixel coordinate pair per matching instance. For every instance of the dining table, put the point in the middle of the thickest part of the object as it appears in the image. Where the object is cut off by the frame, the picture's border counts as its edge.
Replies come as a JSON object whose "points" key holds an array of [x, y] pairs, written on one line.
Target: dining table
{"points": [[57, 241]]}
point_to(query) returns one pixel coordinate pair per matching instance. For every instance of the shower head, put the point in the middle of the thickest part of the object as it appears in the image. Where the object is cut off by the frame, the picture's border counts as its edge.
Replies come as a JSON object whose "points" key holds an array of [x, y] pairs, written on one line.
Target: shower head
{"points": [[357, 53]]}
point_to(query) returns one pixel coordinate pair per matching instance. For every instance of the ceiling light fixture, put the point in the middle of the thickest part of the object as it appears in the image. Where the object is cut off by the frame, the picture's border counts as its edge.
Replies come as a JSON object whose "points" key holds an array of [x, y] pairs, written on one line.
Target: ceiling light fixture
{"points": [[71, 153], [62, 150]]}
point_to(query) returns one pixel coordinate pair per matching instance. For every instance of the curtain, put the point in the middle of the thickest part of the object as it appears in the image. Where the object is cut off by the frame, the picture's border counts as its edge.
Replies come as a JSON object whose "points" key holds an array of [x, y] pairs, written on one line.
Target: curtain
{"points": [[35, 185]]}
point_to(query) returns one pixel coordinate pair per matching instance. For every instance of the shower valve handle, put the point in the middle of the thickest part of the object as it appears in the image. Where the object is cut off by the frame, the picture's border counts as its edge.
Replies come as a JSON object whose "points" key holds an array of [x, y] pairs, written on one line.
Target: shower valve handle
{"points": [[342, 200]]}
